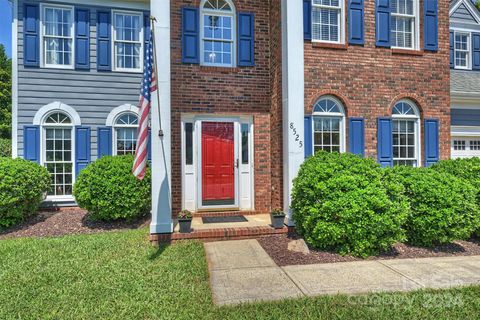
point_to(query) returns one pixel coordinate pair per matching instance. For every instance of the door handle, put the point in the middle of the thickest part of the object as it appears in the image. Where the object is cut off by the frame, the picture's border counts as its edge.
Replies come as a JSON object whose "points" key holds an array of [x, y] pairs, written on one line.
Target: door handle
{"points": [[236, 163]]}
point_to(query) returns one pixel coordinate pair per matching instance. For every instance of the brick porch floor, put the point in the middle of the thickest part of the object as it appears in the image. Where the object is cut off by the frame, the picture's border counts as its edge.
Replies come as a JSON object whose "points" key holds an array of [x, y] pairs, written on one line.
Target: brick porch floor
{"points": [[257, 225]]}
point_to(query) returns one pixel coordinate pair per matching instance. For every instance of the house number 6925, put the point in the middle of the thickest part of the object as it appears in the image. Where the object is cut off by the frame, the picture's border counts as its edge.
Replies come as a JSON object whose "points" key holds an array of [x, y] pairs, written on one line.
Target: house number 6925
{"points": [[296, 135]]}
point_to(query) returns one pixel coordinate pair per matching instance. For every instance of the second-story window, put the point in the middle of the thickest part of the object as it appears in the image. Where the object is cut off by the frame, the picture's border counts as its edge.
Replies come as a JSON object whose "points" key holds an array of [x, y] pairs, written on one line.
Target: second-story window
{"points": [[327, 21], [403, 23], [57, 33], [462, 50], [218, 33], [127, 41]]}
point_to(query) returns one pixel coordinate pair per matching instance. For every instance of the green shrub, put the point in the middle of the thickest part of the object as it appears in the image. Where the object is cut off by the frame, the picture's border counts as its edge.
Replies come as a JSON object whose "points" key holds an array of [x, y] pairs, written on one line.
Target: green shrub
{"points": [[108, 190], [23, 185], [5, 148], [342, 202], [443, 207], [468, 169]]}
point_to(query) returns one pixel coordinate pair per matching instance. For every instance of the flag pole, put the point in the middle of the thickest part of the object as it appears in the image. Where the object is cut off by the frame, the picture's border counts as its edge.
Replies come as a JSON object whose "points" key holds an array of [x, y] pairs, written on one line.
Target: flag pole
{"points": [[155, 69]]}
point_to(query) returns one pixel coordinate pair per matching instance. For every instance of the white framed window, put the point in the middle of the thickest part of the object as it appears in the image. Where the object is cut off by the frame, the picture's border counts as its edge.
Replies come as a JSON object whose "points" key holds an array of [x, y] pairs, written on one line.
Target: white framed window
{"points": [[57, 153], [404, 24], [462, 47], [127, 41], [218, 33], [328, 125], [328, 18], [57, 32], [125, 134], [459, 145], [406, 134]]}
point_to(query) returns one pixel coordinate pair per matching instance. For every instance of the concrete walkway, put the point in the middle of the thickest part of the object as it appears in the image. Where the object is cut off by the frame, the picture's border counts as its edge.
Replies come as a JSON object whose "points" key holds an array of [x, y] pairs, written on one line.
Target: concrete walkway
{"points": [[241, 271]]}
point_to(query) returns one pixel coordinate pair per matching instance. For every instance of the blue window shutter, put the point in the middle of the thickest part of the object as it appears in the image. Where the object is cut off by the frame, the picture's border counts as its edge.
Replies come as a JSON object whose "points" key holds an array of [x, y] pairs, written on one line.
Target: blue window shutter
{"points": [[82, 148], [385, 142], [432, 154], [308, 136], [149, 145], [382, 23], [190, 35], [146, 31], [104, 51], [476, 51], [104, 142], [357, 136], [355, 22], [430, 16], [246, 39], [307, 19], [31, 143], [82, 39], [452, 50], [31, 36]]}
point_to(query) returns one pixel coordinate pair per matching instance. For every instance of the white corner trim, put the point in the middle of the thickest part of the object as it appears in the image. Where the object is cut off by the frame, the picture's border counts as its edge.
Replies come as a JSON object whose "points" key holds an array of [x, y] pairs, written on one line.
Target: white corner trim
{"points": [[56, 106], [469, 5], [119, 110], [15, 79]]}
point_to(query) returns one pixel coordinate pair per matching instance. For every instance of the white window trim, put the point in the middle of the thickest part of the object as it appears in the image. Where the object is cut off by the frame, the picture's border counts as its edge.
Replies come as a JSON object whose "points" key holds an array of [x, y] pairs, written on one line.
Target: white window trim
{"points": [[43, 63], [43, 150], [416, 26], [469, 50], [341, 24], [416, 118], [116, 126], [141, 40], [217, 13], [339, 115]]}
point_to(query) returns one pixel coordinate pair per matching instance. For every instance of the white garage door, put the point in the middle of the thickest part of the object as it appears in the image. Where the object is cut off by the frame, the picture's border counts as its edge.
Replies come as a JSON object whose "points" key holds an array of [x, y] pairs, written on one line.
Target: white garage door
{"points": [[465, 147]]}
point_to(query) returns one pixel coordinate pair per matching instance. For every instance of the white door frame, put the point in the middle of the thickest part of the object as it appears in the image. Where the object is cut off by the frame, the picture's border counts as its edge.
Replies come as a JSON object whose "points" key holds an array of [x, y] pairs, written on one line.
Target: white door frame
{"points": [[192, 175]]}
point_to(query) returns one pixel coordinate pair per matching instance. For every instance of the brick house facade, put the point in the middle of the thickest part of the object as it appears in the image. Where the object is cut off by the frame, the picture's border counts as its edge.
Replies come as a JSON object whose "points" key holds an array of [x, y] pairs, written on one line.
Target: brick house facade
{"points": [[247, 90]]}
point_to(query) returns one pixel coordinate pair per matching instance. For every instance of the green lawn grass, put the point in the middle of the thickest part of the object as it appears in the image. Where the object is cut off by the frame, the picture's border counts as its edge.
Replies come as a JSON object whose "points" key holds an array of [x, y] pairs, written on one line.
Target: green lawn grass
{"points": [[120, 276]]}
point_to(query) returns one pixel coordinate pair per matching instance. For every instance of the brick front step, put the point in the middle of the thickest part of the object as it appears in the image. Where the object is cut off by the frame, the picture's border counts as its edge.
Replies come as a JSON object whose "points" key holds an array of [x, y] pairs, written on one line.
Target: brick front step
{"points": [[220, 234], [204, 214]]}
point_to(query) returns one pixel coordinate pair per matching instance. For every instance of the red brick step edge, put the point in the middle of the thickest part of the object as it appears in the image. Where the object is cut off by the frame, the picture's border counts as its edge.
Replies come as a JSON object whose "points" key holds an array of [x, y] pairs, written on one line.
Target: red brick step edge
{"points": [[220, 234]]}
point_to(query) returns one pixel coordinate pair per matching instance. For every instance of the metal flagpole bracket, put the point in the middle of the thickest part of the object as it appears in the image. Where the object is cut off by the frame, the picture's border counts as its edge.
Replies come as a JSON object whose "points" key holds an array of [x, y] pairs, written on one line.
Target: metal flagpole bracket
{"points": [[160, 133]]}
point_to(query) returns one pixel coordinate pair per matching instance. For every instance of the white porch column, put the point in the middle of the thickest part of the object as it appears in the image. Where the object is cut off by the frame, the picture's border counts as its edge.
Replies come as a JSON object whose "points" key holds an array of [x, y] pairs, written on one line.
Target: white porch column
{"points": [[293, 97], [161, 146]]}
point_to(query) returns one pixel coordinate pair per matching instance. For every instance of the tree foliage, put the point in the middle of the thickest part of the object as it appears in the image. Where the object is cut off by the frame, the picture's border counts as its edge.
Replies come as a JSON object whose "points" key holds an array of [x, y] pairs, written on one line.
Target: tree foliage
{"points": [[5, 94]]}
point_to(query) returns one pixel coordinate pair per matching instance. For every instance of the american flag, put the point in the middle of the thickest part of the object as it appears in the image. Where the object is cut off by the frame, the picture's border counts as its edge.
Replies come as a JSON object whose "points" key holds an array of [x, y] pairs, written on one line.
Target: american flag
{"points": [[149, 85]]}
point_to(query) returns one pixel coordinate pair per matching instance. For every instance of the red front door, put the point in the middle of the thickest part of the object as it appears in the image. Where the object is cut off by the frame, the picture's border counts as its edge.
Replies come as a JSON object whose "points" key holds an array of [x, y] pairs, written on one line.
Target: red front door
{"points": [[218, 168]]}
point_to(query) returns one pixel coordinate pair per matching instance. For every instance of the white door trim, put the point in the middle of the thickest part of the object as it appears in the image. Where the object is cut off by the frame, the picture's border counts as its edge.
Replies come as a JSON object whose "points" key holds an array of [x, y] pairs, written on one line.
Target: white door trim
{"points": [[191, 173]]}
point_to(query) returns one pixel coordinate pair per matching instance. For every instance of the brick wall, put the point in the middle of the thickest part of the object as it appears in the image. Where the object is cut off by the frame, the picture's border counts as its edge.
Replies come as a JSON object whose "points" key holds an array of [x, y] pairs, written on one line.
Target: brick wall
{"points": [[369, 80], [276, 103], [225, 91]]}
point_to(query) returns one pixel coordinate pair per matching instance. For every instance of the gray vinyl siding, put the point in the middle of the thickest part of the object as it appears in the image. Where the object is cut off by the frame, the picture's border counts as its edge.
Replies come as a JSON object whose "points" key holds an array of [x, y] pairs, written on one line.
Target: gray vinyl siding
{"points": [[465, 117], [91, 93], [463, 14]]}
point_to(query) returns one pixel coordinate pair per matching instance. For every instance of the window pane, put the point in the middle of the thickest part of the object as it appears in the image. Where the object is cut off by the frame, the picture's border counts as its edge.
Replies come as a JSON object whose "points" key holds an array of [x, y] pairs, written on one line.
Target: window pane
{"points": [[126, 140], [245, 136], [188, 143], [325, 24], [58, 160], [404, 142], [326, 134]]}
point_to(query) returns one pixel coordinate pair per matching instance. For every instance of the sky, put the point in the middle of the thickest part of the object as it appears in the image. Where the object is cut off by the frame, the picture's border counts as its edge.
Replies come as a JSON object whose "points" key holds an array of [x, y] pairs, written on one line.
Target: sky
{"points": [[6, 25]]}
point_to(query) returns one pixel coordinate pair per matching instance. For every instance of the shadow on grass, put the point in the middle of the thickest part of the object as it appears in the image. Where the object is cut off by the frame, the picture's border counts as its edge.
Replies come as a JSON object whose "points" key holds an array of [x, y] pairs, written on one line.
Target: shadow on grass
{"points": [[160, 249]]}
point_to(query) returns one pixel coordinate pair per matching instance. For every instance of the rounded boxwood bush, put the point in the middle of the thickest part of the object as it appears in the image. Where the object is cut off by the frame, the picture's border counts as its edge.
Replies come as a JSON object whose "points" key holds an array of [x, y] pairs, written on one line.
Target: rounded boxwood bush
{"points": [[443, 207], [342, 202], [468, 169], [109, 191], [5, 148], [23, 185]]}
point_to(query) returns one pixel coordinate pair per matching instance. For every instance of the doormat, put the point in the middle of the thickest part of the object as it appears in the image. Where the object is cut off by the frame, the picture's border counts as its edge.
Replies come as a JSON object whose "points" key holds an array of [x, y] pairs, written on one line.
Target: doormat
{"points": [[229, 219]]}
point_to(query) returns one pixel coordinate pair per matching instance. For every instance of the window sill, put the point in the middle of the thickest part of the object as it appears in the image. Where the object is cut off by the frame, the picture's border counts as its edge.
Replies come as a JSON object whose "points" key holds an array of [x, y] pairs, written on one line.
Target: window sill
{"points": [[407, 52], [325, 45]]}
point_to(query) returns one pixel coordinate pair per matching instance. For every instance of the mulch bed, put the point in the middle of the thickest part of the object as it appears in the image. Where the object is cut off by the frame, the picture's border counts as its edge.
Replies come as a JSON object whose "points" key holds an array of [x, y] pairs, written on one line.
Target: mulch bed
{"points": [[64, 222], [277, 248]]}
